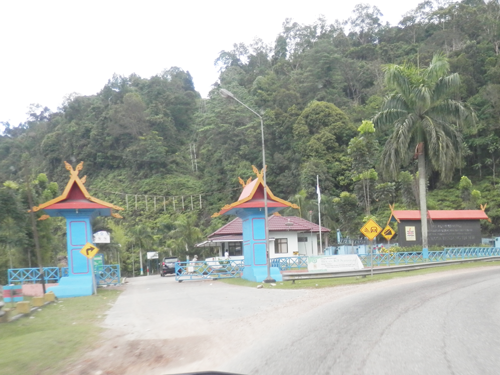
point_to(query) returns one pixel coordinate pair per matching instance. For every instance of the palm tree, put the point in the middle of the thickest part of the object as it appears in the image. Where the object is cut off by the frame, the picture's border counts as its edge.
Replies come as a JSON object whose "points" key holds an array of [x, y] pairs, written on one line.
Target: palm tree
{"points": [[186, 233], [425, 119], [142, 238], [120, 237]]}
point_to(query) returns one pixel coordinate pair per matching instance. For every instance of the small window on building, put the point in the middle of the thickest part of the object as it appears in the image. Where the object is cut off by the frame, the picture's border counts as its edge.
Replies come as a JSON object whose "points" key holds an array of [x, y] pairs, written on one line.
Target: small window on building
{"points": [[302, 239], [281, 246], [234, 249]]}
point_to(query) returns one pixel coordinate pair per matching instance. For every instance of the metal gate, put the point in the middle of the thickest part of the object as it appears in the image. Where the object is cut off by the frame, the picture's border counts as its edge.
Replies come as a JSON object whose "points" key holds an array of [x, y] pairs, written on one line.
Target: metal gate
{"points": [[208, 270]]}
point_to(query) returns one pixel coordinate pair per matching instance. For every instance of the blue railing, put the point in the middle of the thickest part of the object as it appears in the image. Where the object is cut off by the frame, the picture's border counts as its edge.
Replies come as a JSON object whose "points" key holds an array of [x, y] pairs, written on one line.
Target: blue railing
{"points": [[105, 275], [396, 259], [471, 252], [391, 259], [288, 263], [216, 269], [22, 275]]}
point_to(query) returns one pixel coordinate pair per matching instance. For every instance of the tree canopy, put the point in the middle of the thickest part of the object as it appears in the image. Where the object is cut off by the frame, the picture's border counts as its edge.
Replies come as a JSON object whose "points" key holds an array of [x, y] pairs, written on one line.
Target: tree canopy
{"points": [[172, 159]]}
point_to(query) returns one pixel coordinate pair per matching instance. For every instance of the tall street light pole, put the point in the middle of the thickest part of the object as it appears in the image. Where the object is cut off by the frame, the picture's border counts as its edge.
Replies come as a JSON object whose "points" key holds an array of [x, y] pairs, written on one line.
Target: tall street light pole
{"points": [[227, 94]]}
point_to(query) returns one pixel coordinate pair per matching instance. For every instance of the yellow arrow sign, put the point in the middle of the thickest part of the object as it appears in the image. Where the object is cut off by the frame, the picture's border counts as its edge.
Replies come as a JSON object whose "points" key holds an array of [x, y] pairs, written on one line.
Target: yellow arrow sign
{"points": [[371, 229], [89, 250], [388, 233]]}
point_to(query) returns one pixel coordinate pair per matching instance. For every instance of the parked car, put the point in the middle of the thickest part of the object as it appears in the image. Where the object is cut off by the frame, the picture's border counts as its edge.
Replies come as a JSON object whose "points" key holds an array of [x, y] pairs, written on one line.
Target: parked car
{"points": [[168, 266]]}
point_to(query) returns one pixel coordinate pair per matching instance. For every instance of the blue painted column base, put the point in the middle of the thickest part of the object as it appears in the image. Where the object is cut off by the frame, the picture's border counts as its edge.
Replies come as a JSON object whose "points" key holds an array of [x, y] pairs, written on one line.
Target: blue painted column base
{"points": [[79, 286], [425, 253], [258, 274]]}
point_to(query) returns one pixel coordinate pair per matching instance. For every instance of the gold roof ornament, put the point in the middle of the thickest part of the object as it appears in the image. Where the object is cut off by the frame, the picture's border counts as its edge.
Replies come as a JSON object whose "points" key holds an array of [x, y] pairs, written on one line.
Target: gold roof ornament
{"points": [[249, 190], [74, 179]]}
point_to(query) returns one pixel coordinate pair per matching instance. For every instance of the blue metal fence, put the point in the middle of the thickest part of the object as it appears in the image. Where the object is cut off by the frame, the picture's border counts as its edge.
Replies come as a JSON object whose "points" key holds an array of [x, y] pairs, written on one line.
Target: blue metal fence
{"points": [[216, 269], [391, 259], [110, 274], [471, 252], [105, 275], [288, 263], [32, 275], [396, 259]]}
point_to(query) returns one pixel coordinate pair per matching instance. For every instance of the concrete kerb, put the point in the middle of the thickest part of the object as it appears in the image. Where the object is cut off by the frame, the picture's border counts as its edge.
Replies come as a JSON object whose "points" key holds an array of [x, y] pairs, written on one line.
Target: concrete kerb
{"points": [[33, 309], [39, 303]]}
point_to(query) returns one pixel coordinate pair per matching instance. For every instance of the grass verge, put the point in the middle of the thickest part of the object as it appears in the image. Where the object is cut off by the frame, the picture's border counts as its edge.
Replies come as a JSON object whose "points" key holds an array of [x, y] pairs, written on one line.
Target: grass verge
{"points": [[46, 341], [325, 283]]}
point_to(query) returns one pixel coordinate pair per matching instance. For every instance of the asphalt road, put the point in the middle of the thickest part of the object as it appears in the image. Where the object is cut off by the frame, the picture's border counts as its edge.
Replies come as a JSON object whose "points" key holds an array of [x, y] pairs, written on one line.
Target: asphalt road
{"points": [[155, 307], [441, 325]]}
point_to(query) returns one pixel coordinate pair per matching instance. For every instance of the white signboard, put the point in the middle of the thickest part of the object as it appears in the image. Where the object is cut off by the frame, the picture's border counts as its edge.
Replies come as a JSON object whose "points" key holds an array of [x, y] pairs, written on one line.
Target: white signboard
{"points": [[102, 237], [152, 254], [410, 234], [334, 263]]}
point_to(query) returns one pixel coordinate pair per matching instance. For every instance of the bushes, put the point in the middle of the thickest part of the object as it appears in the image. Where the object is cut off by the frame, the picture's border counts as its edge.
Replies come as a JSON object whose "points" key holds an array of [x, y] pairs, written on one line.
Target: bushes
{"points": [[413, 249]]}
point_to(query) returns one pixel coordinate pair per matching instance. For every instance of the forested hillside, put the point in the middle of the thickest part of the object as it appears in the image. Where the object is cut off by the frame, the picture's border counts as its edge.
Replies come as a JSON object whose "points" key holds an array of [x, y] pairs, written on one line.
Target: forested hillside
{"points": [[171, 158]]}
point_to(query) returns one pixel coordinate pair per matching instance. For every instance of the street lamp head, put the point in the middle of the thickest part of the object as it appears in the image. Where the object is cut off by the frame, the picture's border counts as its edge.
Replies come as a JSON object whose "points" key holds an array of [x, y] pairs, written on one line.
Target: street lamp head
{"points": [[226, 94]]}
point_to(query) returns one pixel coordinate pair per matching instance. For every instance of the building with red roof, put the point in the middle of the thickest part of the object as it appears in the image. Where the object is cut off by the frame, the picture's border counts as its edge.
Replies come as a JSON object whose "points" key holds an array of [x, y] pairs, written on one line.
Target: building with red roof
{"points": [[289, 236], [446, 227]]}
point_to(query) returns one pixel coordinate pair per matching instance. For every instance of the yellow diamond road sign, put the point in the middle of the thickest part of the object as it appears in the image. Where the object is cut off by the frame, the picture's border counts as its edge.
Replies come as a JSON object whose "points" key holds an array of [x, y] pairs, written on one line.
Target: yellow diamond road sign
{"points": [[371, 229], [89, 250], [388, 233]]}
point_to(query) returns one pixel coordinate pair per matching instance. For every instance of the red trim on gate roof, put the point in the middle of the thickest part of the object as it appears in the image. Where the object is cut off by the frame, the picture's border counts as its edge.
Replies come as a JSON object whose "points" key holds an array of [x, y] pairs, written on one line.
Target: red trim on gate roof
{"points": [[75, 193], [75, 205], [260, 203], [254, 191]]}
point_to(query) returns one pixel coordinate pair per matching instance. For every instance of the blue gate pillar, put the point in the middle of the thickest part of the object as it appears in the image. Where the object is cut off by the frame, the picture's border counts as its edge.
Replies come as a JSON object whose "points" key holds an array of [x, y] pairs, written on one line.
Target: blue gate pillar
{"points": [[254, 246], [79, 281], [250, 208], [78, 207]]}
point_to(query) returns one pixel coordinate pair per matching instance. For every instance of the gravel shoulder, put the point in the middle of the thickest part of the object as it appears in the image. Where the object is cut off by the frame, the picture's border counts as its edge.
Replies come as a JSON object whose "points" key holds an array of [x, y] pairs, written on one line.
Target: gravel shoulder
{"points": [[158, 326]]}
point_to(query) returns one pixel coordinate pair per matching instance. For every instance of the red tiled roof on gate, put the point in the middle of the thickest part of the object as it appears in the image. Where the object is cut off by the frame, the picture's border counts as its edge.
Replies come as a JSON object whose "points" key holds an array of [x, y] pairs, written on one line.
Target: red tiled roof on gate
{"points": [[76, 196], [409, 215], [276, 224], [252, 196]]}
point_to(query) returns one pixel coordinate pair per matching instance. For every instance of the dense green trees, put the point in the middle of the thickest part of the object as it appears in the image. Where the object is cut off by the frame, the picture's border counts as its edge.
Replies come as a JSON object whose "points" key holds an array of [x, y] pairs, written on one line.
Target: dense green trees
{"points": [[314, 86]]}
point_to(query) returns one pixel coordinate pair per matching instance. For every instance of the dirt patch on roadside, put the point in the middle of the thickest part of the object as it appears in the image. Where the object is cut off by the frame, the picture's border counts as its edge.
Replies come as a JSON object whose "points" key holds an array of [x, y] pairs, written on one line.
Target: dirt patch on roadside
{"points": [[117, 356]]}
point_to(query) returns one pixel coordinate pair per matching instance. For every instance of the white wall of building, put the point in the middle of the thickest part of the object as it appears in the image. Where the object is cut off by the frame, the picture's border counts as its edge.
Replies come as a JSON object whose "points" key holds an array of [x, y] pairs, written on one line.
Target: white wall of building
{"points": [[292, 243], [310, 247], [307, 248]]}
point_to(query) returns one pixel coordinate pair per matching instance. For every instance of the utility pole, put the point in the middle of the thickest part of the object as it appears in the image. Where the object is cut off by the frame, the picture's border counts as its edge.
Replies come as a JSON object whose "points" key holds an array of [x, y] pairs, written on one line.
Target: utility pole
{"points": [[195, 161], [191, 155]]}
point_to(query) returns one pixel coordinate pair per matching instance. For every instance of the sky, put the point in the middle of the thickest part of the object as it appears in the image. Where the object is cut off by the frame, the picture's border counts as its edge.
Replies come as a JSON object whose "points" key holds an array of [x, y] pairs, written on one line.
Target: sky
{"points": [[51, 49]]}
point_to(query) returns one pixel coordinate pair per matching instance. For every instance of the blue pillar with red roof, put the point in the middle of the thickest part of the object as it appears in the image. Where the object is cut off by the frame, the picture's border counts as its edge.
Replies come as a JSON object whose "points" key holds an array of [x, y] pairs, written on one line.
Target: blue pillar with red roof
{"points": [[79, 208], [250, 208]]}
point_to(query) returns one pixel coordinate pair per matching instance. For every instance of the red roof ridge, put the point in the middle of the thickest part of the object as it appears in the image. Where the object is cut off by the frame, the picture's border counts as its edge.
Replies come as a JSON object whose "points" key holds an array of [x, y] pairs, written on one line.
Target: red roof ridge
{"points": [[249, 191], [74, 179]]}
